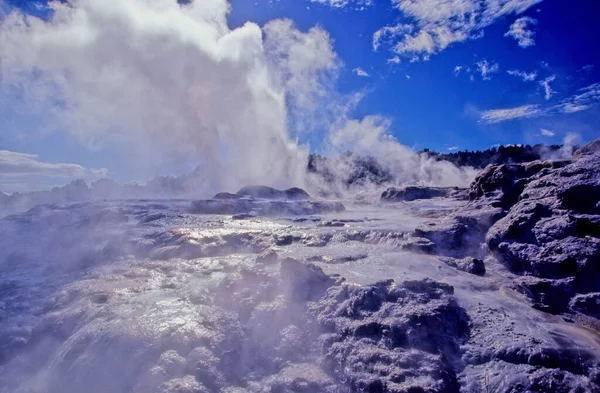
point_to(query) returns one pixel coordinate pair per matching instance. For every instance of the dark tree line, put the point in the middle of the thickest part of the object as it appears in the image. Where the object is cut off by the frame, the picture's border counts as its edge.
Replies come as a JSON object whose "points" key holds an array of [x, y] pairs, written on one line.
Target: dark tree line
{"points": [[501, 155]]}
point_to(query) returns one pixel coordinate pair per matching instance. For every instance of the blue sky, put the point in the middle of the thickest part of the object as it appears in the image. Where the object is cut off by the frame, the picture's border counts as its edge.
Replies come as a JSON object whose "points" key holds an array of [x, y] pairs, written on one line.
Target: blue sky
{"points": [[434, 107], [446, 75]]}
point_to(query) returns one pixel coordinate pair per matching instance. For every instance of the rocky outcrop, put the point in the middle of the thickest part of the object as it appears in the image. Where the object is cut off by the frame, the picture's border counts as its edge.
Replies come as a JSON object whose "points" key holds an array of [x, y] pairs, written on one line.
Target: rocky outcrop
{"points": [[413, 193], [550, 232], [541, 220], [264, 192], [590, 148]]}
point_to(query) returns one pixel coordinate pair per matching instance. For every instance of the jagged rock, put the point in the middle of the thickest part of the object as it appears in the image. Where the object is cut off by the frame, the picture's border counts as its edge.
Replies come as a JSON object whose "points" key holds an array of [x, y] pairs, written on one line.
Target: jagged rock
{"points": [[412, 193], [392, 337], [589, 148], [504, 183], [264, 192], [468, 264]]}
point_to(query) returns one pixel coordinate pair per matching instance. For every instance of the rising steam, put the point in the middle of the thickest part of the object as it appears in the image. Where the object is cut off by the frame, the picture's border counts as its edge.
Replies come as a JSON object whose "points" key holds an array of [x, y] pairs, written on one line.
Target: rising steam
{"points": [[172, 88], [172, 83]]}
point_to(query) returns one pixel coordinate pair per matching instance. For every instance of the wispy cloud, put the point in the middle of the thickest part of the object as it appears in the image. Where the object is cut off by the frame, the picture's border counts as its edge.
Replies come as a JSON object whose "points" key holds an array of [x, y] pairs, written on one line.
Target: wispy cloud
{"points": [[355, 4], [21, 166], [585, 99], [501, 115], [360, 72], [525, 76], [436, 24], [486, 69], [521, 31], [548, 92], [483, 67], [546, 132]]}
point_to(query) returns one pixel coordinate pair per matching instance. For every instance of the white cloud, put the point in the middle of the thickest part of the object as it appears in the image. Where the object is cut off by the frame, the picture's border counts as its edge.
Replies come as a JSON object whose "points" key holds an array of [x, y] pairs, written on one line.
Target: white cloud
{"points": [[452, 148], [436, 24], [525, 76], [486, 68], [546, 132], [521, 31], [171, 86], [501, 115], [548, 92], [394, 60], [27, 169], [585, 99], [360, 72], [457, 70]]}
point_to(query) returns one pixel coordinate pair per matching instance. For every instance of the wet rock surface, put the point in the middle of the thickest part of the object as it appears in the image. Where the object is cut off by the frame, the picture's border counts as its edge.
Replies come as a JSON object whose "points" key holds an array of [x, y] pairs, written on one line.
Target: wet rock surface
{"points": [[243, 293], [250, 207]]}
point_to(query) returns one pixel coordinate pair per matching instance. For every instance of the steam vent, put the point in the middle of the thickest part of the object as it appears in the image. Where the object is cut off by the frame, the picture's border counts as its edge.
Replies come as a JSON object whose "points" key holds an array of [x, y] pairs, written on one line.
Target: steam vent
{"points": [[299, 196]]}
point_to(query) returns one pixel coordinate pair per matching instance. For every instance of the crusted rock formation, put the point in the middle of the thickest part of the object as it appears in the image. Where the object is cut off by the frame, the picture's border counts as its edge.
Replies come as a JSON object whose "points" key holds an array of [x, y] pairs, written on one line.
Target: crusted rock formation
{"points": [[413, 193]]}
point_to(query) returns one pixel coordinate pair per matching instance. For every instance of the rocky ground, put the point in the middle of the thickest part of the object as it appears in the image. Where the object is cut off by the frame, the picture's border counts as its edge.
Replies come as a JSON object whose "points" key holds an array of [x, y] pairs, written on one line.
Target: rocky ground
{"points": [[492, 289]]}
